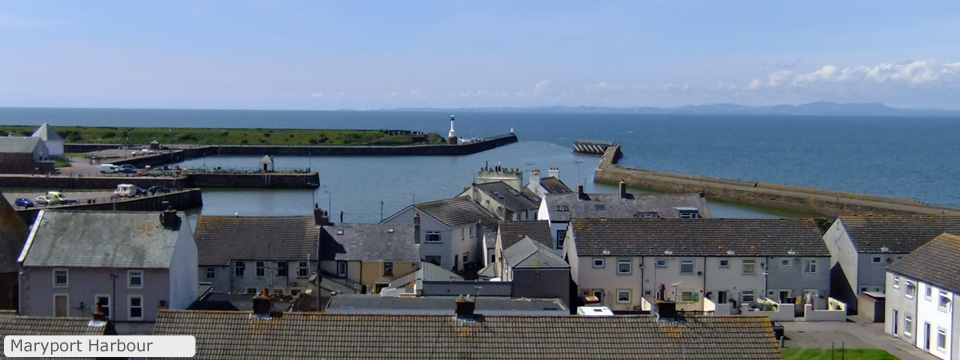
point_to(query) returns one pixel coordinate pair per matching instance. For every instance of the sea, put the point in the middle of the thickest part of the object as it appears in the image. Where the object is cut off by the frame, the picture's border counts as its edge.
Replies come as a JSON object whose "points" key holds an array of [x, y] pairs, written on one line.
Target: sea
{"points": [[905, 157]]}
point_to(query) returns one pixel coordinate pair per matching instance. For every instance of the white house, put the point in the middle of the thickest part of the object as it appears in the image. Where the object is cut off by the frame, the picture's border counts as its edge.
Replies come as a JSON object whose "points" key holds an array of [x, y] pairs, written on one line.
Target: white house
{"points": [[923, 289], [128, 264]]}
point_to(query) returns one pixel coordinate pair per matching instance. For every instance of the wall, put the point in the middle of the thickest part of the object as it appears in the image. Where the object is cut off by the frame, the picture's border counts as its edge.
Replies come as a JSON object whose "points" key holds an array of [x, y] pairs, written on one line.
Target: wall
{"points": [[731, 278], [654, 276], [220, 283], [606, 279], [270, 279], [928, 312], [17, 163], [456, 288], [844, 255], [371, 272], [783, 312], [713, 308], [84, 284], [97, 182], [254, 181], [895, 300], [796, 279], [823, 315], [540, 283], [427, 223], [809, 200], [183, 268]]}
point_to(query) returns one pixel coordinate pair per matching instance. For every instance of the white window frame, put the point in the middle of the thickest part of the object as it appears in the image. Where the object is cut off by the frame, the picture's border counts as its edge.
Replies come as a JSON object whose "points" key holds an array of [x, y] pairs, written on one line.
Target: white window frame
{"points": [[388, 268], [907, 291], [466, 257], [342, 268], [753, 264], [723, 263], [599, 263], [896, 282], [628, 263], [876, 260], [251, 290], [807, 263], [239, 268], [696, 295], [743, 296], [785, 264], [130, 277], [261, 269], [907, 325], [629, 296], [54, 305], [941, 334], [66, 277], [943, 305], [427, 235], [303, 269], [687, 262], [130, 307], [661, 263], [109, 304], [283, 268], [211, 272]]}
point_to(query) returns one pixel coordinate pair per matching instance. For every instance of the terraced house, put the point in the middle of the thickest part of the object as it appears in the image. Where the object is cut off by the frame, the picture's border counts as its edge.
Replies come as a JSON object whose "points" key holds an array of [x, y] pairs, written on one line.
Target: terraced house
{"points": [[365, 258], [698, 261]]}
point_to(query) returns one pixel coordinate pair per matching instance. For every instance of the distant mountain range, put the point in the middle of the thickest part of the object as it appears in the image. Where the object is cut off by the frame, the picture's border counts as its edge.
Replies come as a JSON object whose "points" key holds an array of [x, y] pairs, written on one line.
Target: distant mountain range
{"points": [[821, 108]]}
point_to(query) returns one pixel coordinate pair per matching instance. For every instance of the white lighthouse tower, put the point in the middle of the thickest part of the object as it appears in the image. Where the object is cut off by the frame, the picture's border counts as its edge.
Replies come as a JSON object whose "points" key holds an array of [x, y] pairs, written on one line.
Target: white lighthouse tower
{"points": [[452, 138]]}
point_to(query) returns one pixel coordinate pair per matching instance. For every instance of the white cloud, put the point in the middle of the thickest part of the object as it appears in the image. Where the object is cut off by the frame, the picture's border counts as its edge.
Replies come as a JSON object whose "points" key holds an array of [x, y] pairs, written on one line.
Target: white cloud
{"points": [[416, 94], [543, 88], [755, 84], [316, 95], [908, 73]]}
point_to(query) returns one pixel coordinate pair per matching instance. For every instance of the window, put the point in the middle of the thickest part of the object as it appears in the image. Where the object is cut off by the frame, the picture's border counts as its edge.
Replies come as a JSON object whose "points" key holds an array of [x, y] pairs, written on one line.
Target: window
{"points": [[282, 269], [648, 215], [810, 266], [749, 266], [561, 236], [136, 307], [135, 279], [302, 269], [60, 278], [911, 288], [277, 292], [623, 296], [944, 304], [342, 268], [599, 295], [724, 263], [896, 282], [928, 293], [261, 269], [688, 213], [689, 296], [876, 260], [471, 231], [747, 297], [686, 266], [463, 234], [599, 207], [238, 269], [623, 267], [433, 236], [388, 268], [252, 290], [785, 264], [103, 303], [908, 326], [597, 263], [661, 263], [466, 257], [211, 273], [941, 339]]}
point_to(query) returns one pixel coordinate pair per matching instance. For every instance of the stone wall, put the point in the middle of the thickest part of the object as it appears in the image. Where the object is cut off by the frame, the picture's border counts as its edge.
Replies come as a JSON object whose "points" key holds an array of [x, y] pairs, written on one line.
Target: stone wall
{"points": [[179, 200], [22, 163]]}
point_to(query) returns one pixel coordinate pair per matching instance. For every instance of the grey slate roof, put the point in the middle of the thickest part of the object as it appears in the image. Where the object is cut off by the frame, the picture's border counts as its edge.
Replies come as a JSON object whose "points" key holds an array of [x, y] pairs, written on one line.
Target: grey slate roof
{"points": [[432, 272], [18, 144], [11, 324], [698, 237], [221, 239], [900, 234], [369, 242], [46, 133], [513, 231], [375, 304], [234, 335], [529, 254], [554, 186], [108, 239], [457, 212], [13, 234], [612, 206], [934, 262], [509, 197]]}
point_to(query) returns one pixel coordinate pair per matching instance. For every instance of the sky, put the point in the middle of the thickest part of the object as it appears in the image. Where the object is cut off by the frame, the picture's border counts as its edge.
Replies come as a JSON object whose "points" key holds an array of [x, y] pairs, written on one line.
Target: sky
{"points": [[327, 55]]}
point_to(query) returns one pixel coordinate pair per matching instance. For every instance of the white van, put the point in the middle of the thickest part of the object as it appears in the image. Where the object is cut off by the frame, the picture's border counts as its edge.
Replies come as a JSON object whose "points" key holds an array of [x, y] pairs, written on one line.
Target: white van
{"points": [[124, 190], [108, 169]]}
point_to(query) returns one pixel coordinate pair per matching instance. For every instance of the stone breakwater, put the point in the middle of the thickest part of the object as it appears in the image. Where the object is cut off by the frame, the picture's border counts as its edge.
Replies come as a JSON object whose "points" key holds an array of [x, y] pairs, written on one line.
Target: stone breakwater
{"points": [[826, 203]]}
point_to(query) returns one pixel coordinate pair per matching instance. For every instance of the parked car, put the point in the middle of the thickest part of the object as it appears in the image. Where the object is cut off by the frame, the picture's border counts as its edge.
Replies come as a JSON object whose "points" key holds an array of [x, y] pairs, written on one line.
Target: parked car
{"points": [[58, 198], [157, 189], [139, 191], [24, 202], [127, 169], [42, 200]]}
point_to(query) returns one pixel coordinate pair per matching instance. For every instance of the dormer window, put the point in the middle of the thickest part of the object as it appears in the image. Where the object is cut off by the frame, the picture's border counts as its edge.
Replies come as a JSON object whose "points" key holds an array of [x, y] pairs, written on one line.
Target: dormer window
{"points": [[599, 207], [688, 213]]}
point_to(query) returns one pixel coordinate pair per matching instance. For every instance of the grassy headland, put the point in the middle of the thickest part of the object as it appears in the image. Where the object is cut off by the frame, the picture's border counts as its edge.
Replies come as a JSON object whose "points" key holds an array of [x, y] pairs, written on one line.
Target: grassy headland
{"points": [[207, 136]]}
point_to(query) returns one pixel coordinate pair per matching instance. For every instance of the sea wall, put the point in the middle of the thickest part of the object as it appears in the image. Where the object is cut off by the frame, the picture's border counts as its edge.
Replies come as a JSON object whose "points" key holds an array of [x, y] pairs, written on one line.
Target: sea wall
{"points": [[179, 200], [187, 180], [823, 202], [255, 181]]}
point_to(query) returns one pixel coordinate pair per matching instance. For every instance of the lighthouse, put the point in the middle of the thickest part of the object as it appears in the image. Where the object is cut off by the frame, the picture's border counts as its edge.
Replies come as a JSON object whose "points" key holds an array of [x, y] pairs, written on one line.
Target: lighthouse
{"points": [[452, 138]]}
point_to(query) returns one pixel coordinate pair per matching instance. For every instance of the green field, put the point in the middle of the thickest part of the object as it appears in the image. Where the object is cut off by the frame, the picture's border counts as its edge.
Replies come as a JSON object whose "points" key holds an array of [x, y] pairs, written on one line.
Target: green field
{"points": [[848, 354], [142, 135]]}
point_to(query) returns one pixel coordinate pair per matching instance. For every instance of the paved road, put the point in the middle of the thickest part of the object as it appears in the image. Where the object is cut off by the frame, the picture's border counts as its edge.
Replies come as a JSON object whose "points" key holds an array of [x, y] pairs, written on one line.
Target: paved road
{"points": [[823, 335]]}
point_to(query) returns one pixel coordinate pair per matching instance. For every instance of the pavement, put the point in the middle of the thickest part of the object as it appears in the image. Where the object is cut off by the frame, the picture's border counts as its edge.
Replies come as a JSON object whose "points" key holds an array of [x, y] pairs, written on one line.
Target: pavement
{"points": [[850, 334]]}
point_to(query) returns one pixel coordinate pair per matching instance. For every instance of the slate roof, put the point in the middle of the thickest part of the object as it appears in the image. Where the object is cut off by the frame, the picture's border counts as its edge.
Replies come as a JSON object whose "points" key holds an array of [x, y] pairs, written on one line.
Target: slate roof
{"points": [[234, 335], [934, 262], [107, 239], [13, 234], [234, 302], [513, 231], [369, 242], [221, 239], [18, 144], [30, 325], [554, 186], [46, 133], [509, 197], [530, 254], [457, 212], [375, 304], [698, 237], [612, 206], [900, 234], [432, 272]]}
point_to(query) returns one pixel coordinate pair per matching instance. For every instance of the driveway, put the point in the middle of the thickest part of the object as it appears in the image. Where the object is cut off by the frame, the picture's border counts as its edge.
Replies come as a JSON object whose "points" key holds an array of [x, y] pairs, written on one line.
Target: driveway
{"points": [[850, 335]]}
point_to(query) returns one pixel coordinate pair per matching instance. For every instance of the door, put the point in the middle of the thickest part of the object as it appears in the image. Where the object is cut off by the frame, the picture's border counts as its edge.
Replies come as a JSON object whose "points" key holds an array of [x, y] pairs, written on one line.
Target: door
{"points": [[785, 297], [926, 336], [721, 297], [60, 306], [342, 269], [896, 321]]}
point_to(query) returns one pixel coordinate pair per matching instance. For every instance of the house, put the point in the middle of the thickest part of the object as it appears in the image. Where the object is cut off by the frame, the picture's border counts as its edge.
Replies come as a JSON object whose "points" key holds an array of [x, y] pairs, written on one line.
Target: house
{"points": [[558, 210], [52, 140], [862, 246], [535, 271], [510, 232], [624, 262], [550, 185], [12, 324], [923, 290], [248, 253], [24, 155], [298, 335], [372, 255], [13, 234], [504, 201], [441, 305], [451, 231], [128, 264]]}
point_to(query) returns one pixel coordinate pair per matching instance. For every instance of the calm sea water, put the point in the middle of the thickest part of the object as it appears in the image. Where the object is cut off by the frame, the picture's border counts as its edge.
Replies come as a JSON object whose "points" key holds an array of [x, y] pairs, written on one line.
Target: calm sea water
{"points": [[901, 157]]}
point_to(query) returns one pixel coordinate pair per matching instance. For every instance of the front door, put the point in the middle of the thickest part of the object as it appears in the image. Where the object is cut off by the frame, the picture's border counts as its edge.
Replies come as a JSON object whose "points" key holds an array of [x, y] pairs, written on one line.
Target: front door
{"points": [[721, 297], [785, 297], [896, 320], [926, 336], [60, 306]]}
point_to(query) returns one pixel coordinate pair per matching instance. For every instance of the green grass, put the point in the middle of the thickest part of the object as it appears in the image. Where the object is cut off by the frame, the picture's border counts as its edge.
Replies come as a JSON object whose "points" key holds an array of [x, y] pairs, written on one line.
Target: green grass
{"points": [[848, 354], [143, 135]]}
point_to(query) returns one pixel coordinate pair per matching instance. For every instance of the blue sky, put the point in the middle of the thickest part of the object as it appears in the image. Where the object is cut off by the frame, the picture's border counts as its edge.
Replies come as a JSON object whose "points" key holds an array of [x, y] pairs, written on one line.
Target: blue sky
{"points": [[392, 54]]}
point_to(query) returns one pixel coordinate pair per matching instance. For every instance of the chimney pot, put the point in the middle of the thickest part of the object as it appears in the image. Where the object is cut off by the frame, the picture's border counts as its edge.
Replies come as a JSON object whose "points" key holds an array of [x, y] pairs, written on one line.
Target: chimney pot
{"points": [[580, 194], [262, 303], [465, 307], [169, 219], [667, 310], [623, 189]]}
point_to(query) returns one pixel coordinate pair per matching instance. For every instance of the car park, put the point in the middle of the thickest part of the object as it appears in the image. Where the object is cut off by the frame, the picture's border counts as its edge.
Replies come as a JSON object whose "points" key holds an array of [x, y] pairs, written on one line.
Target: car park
{"points": [[108, 168], [127, 169], [24, 202]]}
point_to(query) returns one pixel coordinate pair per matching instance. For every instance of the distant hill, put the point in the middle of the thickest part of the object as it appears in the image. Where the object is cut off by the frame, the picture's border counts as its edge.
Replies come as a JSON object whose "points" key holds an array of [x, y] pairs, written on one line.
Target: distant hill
{"points": [[820, 108]]}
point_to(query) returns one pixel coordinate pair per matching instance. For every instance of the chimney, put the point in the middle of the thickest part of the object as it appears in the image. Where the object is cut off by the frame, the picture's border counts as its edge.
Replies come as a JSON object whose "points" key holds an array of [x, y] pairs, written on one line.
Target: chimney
{"points": [[580, 194], [169, 219], [317, 215], [262, 304], [535, 176], [465, 307], [416, 227], [98, 314], [554, 172], [666, 310], [623, 189]]}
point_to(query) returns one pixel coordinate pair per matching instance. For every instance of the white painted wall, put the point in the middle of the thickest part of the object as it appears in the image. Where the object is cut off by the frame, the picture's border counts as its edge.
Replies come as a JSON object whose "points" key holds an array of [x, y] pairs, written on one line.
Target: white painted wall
{"points": [[183, 268], [928, 312]]}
